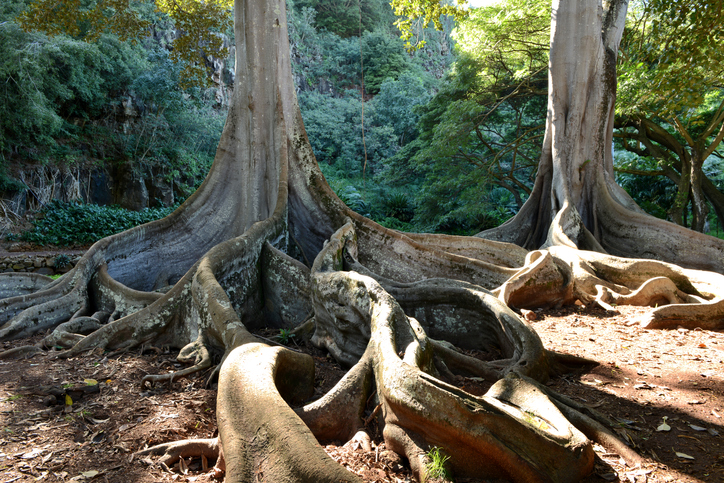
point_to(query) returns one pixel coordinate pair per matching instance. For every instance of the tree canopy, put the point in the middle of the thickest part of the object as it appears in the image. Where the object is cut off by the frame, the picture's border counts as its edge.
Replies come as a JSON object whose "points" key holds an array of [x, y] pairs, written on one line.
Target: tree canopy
{"points": [[198, 23]]}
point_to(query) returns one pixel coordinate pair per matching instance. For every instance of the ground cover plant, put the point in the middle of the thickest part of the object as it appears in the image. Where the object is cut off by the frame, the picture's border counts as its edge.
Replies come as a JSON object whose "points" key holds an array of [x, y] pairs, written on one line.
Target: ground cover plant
{"points": [[62, 223]]}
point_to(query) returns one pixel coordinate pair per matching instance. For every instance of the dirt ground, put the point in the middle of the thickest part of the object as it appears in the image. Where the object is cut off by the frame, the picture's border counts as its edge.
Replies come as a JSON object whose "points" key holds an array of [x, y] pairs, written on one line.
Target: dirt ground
{"points": [[83, 419]]}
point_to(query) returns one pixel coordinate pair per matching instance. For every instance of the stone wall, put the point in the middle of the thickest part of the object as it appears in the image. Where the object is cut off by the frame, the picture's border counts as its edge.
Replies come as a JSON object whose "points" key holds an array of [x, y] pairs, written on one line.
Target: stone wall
{"points": [[44, 265]]}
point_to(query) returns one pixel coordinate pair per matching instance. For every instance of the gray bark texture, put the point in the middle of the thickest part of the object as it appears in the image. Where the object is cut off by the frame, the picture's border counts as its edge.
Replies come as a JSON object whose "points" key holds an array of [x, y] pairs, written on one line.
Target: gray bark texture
{"points": [[265, 243]]}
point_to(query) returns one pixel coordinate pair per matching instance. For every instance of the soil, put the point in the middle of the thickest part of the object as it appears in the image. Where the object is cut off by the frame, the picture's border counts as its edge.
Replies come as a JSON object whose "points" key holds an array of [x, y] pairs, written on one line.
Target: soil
{"points": [[83, 419]]}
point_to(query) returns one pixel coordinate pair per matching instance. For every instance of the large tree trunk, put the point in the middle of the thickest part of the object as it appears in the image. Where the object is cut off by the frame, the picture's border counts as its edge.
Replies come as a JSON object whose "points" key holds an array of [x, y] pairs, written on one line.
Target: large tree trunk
{"points": [[575, 183], [265, 242]]}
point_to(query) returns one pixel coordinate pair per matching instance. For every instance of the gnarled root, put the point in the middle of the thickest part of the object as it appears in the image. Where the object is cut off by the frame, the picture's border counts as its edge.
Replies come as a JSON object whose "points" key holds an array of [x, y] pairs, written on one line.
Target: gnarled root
{"points": [[691, 298], [171, 452], [197, 352], [514, 431], [261, 434], [337, 416]]}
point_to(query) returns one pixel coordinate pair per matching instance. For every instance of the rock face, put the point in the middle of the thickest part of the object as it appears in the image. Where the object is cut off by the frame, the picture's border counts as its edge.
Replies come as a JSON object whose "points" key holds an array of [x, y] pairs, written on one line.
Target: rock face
{"points": [[119, 184], [122, 187], [130, 192]]}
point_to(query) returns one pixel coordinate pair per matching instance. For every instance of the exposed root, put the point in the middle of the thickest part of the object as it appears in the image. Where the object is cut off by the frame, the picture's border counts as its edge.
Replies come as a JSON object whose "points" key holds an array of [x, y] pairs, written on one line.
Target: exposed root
{"points": [[707, 316], [171, 452], [18, 284], [25, 351], [197, 351], [337, 416], [514, 428], [597, 432], [260, 433], [459, 363], [70, 333]]}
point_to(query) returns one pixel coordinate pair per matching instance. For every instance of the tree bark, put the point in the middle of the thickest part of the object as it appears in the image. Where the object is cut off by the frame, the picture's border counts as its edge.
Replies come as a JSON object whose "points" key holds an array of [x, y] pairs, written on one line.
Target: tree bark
{"points": [[395, 307], [575, 182]]}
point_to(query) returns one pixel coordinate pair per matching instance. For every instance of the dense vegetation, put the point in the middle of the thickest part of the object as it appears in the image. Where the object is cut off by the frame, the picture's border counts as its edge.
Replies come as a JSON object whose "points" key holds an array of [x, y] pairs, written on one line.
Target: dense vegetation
{"points": [[72, 223], [443, 139], [112, 103]]}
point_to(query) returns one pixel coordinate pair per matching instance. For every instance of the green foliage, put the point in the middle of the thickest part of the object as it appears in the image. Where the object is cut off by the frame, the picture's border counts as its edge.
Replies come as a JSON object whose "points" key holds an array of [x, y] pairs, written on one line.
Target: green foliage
{"points": [[384, 58], [348, 18], [65, 103], [350, 196], [671, 56], [199, 25], [51, 83], [480, 135], [436, 465], [398, 205], [655, 194], [66, 224], [415, 15], [285, 336]]}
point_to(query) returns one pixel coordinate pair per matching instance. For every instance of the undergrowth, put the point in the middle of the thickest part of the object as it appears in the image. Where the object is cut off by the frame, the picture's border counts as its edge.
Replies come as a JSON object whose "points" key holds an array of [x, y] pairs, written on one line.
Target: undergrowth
{"points": [[64, 224]]}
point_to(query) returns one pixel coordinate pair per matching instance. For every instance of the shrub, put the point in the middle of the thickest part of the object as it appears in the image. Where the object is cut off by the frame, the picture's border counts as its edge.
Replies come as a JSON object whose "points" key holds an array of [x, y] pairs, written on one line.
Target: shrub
{"points": [[66, 224]]}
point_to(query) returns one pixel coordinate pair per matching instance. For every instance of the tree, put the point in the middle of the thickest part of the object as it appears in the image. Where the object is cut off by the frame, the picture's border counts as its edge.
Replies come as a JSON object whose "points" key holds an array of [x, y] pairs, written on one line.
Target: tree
{"points": [[673, 104], [383, 302], [484, 128]]}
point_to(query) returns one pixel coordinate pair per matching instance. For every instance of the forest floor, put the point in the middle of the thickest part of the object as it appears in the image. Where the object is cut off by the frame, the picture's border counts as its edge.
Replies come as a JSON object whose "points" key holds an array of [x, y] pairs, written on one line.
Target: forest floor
{"points": [[664, 388]]}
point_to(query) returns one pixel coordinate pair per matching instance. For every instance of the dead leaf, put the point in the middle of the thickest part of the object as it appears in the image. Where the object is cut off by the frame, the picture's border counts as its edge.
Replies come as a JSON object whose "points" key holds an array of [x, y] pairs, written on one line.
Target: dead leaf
{"points": [[90, 382], [96, 421], [68, 400], [32, 454], [696, 428], [663, 426], [528, 314], [183, 468], [684, 455]]}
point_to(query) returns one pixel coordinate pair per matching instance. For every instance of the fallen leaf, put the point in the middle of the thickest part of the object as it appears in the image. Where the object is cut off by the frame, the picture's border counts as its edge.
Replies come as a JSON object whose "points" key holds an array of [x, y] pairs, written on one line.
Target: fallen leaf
{"points": [[696, 428], [32, 454], [68, 400], [90, 382], [663, 426], [684, 455], [96, 421], [713, 432]]}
